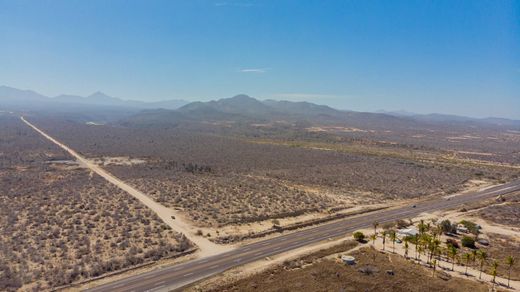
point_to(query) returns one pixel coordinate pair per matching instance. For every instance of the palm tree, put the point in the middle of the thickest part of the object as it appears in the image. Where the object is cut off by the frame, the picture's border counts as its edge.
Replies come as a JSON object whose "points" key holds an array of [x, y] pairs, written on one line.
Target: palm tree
{"points": [[437, 249], [453, 253], [406, 247], [482, 255], [422, 227], [428, 247], [421, 250], [473, 256], [494, 270], [433, 245], [384, 239], [416, 239], [373, 237], [510, 261], [467, 257], [393, 237], [434, 266], [437, 231], [375, 224]]}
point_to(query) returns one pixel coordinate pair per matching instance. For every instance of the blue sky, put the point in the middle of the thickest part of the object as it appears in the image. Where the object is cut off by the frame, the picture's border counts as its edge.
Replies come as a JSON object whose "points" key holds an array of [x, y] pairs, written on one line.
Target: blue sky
{"points": [[459, 57]]}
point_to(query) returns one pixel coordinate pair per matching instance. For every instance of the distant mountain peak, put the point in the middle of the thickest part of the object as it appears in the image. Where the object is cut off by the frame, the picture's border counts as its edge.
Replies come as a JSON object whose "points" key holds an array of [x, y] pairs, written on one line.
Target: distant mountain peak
{"points": [[240, 99], [19, 98], [241, 104], [11, 92], [99, 94], [242, 96]]}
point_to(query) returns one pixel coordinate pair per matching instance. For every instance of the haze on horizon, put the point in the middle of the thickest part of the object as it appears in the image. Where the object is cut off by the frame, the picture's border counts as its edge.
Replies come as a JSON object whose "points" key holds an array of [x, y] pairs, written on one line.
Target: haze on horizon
{"points": [[445, 57]]}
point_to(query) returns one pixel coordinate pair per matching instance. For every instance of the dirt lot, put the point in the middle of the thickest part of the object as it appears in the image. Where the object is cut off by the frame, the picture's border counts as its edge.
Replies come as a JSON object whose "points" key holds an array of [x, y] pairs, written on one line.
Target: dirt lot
{"points": [[500, 247], [373, 272], [503, 241], [506, 213]]}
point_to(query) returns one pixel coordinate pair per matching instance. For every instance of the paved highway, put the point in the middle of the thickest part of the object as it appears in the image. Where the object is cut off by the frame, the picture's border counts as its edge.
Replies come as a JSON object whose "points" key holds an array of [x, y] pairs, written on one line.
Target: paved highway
{"points": [[177, 276]]}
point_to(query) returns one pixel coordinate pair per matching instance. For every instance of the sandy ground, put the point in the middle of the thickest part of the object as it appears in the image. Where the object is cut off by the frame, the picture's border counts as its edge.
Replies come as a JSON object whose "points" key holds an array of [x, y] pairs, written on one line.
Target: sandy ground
{"points": [[123, 160], [487, 227], [455, 216], [473, 185], [338, 129], [262, 265], [446, 266], [169, 216], [260, 226]]}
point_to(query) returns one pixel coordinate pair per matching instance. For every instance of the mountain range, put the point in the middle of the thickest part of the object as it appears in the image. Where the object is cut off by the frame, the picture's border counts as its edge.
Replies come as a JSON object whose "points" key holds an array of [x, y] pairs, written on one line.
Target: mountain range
{"points": [[27, 99], [238, 108], [243, 108]]}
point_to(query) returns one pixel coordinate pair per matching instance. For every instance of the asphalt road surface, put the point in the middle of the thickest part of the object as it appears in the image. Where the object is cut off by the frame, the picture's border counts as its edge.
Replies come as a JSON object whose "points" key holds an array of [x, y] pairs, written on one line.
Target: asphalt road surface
{"points": [[177, 276]]}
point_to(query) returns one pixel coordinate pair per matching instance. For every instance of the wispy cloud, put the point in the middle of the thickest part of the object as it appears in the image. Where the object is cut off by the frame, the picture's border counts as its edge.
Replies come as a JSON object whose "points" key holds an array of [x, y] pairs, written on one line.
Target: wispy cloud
{"points": [[234, 4], [253, 70]]}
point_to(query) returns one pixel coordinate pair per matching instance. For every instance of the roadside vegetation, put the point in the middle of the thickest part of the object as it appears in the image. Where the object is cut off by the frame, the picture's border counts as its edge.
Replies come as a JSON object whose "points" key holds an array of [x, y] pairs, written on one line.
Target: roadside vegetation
{"points": [[458, 243]]}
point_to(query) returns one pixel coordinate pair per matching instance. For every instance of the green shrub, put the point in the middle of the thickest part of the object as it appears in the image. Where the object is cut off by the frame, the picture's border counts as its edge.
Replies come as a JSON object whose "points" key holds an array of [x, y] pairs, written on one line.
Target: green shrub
{"points": [[447, 227], [472, 227], [468, 241], [359, 236]]}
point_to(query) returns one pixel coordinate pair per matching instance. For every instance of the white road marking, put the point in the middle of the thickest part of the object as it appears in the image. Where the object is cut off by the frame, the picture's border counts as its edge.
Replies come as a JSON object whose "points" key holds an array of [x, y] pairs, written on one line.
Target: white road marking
{"points": [[188, 274], [238, 260], [215, 266], [119, 285], [259, 253], [160, 283]]}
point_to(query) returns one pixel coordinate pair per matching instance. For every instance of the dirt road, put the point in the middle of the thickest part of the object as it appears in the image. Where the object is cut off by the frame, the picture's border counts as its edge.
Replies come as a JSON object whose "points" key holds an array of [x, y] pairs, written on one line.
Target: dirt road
{"points": [[206, 247]]}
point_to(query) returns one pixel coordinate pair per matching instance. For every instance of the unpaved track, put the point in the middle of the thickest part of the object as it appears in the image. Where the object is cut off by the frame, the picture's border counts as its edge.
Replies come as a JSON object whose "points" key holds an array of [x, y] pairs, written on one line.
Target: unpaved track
{"points": [[178, 224]]}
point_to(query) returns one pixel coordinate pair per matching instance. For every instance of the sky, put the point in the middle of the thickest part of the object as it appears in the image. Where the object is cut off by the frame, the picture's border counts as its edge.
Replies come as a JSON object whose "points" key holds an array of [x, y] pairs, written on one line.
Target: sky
{"points": [[453, 57]]}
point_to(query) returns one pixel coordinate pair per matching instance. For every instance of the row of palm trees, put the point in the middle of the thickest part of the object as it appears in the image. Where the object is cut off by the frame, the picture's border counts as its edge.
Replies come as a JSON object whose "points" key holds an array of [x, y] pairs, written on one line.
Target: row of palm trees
{"points": [[428, 242]]}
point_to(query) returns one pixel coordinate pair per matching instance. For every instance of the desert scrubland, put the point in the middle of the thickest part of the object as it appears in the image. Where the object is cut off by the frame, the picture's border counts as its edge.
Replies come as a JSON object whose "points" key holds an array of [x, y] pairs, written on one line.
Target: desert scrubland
{"points": [[219, 177], [61, 224]]}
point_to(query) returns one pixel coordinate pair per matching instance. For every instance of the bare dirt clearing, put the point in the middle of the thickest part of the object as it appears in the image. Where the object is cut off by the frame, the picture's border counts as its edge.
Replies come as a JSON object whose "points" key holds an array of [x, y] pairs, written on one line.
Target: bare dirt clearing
{"points": [[369, 274]]}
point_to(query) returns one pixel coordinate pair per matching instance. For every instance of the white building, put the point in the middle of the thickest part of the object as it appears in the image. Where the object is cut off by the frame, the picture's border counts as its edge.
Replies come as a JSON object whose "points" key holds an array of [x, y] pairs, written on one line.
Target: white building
{"points": [[407, 232]]}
